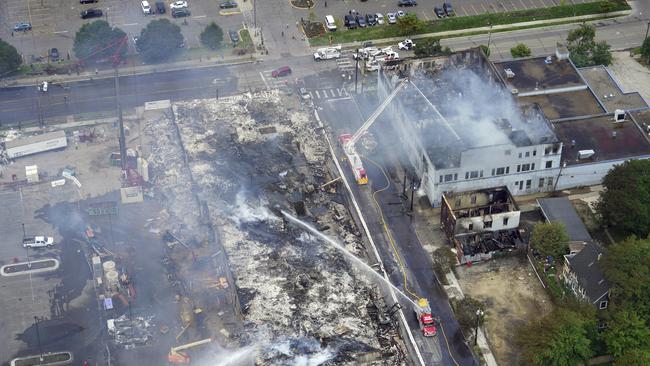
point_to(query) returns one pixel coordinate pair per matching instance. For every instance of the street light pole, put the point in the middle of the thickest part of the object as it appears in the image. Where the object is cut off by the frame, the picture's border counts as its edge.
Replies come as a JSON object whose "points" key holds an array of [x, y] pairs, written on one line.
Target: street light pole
{"points": [[646, 31], [38, 339], [479, 314], [356, 72]]}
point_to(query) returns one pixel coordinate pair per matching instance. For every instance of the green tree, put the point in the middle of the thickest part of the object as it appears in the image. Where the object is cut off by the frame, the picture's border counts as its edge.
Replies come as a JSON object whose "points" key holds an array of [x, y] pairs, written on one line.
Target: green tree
{"points": [[550, 238], [635, 357], [626, 331], [584, 49], [98, 40], [558, 339], [625, 202], [212, 36], [427, 47], [627, 268], [9, 57], [485, 49], [160, 41], [465, 311], [409, 24], [520, 50], [645, 49]]}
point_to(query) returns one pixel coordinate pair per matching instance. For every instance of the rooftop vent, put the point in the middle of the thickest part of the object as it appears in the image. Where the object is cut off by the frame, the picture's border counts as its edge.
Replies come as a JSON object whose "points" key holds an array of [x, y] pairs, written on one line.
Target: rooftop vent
{"points": [[619, 115], [548, 60], [509, 73], [561, 51]]}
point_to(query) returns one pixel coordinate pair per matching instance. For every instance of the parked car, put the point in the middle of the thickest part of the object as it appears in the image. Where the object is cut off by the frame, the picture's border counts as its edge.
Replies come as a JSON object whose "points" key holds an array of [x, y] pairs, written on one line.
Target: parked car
{"points": [[439, 12], [88, 1], [228, 4], [370, 19], [179, 13], [146, 8], [380, 18], [392, 18], [91, 13], [54, 54], [448, 9], [351, 22], [407, 3], [160, 7], [361, 21], [330, 24], [406, 45], [400, 13], [178, 4], [282, 71], [22, 27], [38, 242], [234, 36]]}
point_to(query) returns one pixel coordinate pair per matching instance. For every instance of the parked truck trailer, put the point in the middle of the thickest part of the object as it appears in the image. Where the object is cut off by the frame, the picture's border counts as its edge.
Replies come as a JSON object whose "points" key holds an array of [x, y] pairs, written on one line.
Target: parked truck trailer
{"points": [[36, 144]]}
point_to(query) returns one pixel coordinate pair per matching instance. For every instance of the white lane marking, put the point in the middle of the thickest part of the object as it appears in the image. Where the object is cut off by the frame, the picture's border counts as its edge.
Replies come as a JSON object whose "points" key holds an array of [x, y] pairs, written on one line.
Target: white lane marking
{"points": [[264, 80], [57, 32], [129, 24], [200, 16]]}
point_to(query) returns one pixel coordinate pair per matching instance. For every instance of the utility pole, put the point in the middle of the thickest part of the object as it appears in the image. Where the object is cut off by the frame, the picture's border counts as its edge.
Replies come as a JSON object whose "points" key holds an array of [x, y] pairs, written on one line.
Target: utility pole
{"points": [[255, 15], [479, 314], [489, 39], [120, 121], [38, 339], [646, 31], [356, 72]]}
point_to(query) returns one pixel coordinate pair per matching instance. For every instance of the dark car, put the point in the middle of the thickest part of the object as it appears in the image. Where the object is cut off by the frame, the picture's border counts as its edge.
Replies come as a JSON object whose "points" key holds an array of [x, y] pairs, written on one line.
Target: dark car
{"points": [[228, 4], [439, 12], [54, 54], [91, 13], [361, 21], [448, 9], [160, 7], [234, 36], [22, 27], [179, 13], [371, 19], [351, 22], [406, 3], [282, 71], [88, 1]]}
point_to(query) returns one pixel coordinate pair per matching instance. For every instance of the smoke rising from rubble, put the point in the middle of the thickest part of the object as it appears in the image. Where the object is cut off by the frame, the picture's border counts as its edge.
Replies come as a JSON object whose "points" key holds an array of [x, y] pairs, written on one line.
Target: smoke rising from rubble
{"points": [[244, 212]]}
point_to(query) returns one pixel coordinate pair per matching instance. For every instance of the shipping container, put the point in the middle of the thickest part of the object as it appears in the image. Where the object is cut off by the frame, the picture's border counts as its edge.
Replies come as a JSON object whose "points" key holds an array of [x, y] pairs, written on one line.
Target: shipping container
{"points": [[36, 144]]}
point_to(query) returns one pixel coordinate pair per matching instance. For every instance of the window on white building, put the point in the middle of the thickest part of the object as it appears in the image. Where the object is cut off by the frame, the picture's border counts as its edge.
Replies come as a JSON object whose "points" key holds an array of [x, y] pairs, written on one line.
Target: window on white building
{"points": [[487, 224], [525, 167], [549, 181], [474, 174], [528, 184], [549, 164], [534, 152], [505, 221], [527, 153], [449, 177], [473, 199], [541, 183], [501, 171], [519, 155]]}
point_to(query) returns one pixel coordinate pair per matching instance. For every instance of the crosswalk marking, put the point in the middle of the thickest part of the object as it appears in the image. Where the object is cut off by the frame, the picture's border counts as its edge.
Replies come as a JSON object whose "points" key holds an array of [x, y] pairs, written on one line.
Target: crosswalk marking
{"points": [[334, 94]]}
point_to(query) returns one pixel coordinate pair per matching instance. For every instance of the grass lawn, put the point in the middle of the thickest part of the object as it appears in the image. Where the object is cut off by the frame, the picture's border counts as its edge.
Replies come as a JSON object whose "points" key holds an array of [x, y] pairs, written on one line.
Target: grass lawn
{"points": [[475, 21], [245, 39]]}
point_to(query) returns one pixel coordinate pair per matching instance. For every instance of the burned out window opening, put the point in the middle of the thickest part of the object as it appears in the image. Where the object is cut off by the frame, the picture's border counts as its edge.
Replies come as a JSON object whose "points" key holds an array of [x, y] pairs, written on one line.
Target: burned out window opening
{"points": [[556, 148], [487, 224], [470, 227], [541, 183], [547, 151], [505, 221], [549, 181], [528, 183], [534, 152], [473, 199]]}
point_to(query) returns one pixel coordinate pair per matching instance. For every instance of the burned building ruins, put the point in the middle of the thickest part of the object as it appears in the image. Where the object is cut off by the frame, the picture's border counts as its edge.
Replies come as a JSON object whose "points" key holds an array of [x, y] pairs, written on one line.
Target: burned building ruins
{"points": [[481, 224]]}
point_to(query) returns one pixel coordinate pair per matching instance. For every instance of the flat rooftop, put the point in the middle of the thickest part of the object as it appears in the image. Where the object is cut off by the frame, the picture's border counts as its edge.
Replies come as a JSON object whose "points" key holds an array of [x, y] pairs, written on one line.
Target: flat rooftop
{"points": [[535, 74], [598, 134], [642, 118], [560, 209], [566, 105], [609, 92]]}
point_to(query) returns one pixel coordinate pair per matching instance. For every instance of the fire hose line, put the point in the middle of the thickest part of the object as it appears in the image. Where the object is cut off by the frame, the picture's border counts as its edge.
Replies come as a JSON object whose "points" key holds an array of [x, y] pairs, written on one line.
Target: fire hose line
{"points": [[392, 242], [388, 233]]}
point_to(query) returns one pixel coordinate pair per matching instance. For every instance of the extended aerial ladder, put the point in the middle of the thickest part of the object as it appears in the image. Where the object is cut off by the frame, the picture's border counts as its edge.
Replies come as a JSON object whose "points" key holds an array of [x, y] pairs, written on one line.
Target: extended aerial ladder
{"points": [[348, 141], [178, 357]]}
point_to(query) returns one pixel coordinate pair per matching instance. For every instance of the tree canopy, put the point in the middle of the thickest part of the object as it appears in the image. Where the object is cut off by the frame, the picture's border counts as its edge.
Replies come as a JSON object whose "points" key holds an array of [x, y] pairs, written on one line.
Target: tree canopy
{"points": [[558, 339], [409, 24], [9, 57], [625, 202], [627, 268], [429, 47], [98, 40], [585, 51], [212, 36], [160, 40], [645, 49], [550, 238], [520, 50], [626, 331]]}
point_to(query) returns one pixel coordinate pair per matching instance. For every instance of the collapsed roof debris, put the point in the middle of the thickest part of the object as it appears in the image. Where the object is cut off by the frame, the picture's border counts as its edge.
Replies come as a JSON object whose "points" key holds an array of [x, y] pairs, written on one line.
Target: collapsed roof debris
{"points": [[250, 156]]}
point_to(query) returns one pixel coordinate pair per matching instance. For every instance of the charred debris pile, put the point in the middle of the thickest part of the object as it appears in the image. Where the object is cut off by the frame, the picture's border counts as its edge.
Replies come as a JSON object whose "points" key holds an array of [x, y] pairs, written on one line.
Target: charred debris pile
{"points": [[239, 161]]}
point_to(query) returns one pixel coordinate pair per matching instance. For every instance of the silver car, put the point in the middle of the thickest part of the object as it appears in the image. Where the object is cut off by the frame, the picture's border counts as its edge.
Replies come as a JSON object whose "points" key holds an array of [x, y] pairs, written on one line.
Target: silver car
{"points": [[392, 18]]}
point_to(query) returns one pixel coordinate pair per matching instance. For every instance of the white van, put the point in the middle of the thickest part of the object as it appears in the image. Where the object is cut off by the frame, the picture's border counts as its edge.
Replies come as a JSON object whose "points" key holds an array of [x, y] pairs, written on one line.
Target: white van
{"points": [[146, 8], [329, 23]]}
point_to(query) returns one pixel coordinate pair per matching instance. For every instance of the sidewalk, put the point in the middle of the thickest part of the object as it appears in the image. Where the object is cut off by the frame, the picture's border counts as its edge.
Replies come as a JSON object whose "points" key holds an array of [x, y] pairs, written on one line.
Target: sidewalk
{"points": [[496, 28], [132, 70]]}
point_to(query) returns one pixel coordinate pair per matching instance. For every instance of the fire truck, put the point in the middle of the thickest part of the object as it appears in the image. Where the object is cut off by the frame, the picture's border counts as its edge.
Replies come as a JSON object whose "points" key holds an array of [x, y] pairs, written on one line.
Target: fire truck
{"points": [[426, 320]]}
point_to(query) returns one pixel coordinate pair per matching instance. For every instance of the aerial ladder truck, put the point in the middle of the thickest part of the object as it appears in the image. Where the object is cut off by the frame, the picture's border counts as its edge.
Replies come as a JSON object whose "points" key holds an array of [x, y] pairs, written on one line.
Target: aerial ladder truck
{"points": [[177, 356], [348, 141]]}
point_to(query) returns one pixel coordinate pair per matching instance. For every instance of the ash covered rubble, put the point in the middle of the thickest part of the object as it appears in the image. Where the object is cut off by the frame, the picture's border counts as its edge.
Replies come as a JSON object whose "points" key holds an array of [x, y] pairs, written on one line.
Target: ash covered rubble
{"points": [[251, 156]]}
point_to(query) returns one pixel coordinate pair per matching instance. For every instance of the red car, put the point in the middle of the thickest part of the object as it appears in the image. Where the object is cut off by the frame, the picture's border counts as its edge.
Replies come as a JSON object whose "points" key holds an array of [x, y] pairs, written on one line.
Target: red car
{"points": [[283, 71]]}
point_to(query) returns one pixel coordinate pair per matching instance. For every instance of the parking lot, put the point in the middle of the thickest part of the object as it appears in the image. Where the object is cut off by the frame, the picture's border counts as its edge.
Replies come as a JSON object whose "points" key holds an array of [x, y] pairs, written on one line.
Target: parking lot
{"points": [[424, 9], [55, 22]]}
